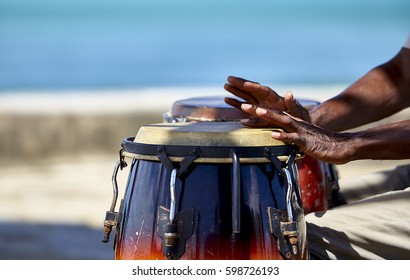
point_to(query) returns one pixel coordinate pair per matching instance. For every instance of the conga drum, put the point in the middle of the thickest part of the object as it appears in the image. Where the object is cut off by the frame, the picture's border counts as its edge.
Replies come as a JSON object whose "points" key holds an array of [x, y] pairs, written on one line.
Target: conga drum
{"points": [[318, 180], [209, 191]]}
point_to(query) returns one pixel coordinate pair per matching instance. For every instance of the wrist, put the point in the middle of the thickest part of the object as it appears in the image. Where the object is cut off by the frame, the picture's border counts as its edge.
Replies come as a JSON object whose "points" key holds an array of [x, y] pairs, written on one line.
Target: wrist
{"points": [[354, 147], [346, 148], [316, 116]]}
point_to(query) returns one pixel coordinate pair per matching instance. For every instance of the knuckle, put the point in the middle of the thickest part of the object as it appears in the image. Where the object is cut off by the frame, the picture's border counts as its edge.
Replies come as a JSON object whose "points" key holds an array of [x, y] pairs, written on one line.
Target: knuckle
{"points": [[289, 121]]}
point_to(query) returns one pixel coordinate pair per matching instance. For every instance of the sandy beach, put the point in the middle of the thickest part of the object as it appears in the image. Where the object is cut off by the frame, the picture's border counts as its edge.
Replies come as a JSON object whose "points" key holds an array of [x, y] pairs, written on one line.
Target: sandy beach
{"points": [[57, 156]]}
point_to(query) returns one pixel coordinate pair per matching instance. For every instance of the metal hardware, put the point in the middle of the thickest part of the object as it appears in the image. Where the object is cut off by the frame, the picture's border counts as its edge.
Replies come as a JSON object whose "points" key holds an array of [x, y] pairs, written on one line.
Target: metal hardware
{"points": [[111, 217], [288, 181], [172, 195], [168, 118], [275, 218], [174, 234], [286, 229], [236, 193], [289, 229], [123, 163], [175, 227], [187, 161], [335, 198], [193, 154], [162, 156], [273, 159], [136, 149]]}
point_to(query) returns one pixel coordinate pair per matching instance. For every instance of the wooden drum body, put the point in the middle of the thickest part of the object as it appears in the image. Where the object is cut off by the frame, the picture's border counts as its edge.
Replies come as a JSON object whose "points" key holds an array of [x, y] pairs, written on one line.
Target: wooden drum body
{"points": [[209, 190]]}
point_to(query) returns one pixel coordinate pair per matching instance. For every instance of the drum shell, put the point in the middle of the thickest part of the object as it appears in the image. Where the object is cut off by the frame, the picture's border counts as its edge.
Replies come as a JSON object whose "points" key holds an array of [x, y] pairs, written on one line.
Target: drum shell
{"points": [[207, 190], [313, 184]]}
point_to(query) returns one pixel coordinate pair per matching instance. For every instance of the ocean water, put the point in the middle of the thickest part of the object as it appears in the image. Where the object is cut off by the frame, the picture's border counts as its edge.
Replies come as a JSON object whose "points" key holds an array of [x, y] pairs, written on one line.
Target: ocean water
{"points": [[105, 44]]}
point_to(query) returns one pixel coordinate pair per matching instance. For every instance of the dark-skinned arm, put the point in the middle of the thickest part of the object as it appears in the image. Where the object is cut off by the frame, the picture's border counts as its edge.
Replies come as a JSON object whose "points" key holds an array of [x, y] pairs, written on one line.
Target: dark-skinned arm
{"points": [[381, 92], [382, 142]]}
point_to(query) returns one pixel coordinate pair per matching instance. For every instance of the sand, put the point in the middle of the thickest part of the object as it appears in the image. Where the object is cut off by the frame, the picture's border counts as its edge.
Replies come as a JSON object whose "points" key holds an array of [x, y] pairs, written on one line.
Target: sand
{"points": [[57, 156]]}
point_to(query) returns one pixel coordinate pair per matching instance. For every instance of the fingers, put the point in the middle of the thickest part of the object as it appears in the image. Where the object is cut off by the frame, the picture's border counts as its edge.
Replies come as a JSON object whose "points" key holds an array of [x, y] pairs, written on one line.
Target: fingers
{"points": [[295, 108], [254, 93], [279, 119], [290, 101], [240, 93], [252, 121], [235, 86], [238, 82], [246, 89], [255, 122], [293, 138], [271, 116], [233, 102]]}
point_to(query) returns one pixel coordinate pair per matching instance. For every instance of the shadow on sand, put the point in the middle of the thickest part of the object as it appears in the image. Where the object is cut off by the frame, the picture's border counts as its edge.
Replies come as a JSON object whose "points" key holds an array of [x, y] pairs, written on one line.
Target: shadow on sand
{"points": [[26, 241]]}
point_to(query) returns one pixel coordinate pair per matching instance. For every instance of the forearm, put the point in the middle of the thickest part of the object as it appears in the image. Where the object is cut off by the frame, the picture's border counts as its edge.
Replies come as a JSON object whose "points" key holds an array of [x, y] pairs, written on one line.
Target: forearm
{"points": [[385, 142], [382, 92]]}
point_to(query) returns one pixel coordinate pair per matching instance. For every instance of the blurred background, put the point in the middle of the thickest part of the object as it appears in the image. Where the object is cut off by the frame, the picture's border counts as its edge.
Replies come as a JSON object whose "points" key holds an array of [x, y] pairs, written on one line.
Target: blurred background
{"points": [[76, 77]]}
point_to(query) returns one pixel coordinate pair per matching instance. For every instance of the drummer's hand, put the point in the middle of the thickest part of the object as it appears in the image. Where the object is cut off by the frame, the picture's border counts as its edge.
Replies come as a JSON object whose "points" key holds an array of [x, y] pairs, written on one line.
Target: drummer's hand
{"points": [[254, 93], [312, 140]]}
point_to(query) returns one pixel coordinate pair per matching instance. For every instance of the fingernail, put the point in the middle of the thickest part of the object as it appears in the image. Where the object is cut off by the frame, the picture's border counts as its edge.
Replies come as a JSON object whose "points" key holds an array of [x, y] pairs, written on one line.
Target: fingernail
{"points": [[246, 106], [275, 134], [289, 93], [231, 78], [261, 111]]}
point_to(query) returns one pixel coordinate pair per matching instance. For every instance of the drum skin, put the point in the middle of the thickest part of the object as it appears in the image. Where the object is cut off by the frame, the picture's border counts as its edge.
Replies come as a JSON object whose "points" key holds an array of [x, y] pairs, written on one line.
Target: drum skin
{"points": [[206, 190]]}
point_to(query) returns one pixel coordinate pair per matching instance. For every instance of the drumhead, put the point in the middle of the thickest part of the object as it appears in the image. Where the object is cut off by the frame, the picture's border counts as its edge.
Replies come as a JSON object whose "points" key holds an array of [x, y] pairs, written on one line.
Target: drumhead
{"points": [[212, 108], [216, 138]]}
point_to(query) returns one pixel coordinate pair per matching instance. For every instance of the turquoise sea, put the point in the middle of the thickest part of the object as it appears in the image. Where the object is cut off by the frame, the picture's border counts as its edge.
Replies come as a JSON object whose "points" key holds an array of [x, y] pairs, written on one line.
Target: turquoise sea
{"points": [[100, 44]]}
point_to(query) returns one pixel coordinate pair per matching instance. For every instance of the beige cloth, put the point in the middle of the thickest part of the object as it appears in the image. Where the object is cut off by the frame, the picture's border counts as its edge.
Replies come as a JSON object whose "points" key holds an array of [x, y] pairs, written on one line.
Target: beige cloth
{"points": [[375, 224]]}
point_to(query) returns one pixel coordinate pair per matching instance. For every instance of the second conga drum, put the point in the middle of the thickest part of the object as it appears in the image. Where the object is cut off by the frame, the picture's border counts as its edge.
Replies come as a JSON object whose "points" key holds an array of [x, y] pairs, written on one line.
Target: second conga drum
{"points": [[210, 190]]}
